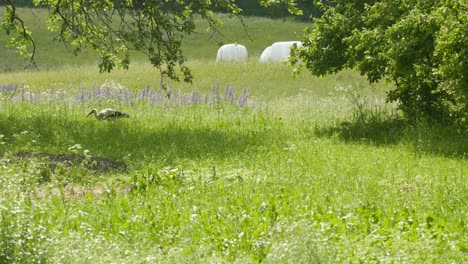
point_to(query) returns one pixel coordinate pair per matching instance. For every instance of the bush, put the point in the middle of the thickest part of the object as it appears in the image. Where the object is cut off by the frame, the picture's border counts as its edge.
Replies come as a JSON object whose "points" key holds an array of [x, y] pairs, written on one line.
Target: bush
{"points": [[420, 46]]}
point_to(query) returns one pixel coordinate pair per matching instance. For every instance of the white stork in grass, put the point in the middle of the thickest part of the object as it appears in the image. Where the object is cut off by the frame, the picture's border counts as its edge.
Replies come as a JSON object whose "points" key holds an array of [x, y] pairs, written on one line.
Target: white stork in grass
{"points": [[108, 114]]}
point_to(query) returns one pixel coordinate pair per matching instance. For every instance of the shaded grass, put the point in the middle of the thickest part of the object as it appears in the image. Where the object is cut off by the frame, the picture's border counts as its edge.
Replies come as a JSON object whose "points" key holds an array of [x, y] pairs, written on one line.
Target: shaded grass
{"points": [[436, 140], [382, 128], [192, 133]]}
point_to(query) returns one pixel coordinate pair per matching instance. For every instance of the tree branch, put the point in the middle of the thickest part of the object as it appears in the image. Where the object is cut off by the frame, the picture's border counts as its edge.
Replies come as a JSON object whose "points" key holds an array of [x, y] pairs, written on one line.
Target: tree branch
{"points": [[22, 31]]}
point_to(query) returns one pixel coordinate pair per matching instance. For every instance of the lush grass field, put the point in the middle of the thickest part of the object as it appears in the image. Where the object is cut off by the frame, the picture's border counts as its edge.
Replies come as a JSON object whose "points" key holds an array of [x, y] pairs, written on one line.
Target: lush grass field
{"points": [[307, 170]]}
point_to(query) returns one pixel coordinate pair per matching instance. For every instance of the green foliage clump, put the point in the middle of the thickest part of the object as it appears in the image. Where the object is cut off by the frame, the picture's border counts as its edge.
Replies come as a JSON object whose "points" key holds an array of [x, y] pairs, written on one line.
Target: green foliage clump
{"points": [[420, 46]]}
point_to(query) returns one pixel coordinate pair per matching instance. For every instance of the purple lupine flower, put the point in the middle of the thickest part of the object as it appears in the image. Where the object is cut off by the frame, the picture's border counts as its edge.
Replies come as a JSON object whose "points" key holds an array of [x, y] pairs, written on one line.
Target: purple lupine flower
{"points": [[143, 94], [183, 99], [147, 89], [122, 95], [229, 93], [128, 97], [82, 93], [9, 89], [175, 96], [22, 92], [195, 97], [215, 93], [78, 97], [226, 92], [242, 101], [107, 92]]}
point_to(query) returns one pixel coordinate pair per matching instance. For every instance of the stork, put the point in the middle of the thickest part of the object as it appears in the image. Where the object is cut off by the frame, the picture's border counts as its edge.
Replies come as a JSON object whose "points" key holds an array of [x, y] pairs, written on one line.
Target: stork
{"points": [[108, 114]]}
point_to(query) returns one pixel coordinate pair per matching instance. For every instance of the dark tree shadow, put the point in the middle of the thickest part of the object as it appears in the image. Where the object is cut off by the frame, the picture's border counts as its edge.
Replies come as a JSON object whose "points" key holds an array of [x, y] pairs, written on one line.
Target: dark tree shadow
{"points": [[121, 141], [426, 138], [95, 164]]}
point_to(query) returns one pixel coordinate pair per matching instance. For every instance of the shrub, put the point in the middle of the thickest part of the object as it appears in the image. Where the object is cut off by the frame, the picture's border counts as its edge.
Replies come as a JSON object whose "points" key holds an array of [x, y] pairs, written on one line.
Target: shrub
{"points": [[420, 46]]}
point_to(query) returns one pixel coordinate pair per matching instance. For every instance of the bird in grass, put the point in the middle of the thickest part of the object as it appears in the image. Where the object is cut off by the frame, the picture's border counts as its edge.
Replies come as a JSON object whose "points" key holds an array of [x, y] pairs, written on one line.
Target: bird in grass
{"points": [[108, 114]]}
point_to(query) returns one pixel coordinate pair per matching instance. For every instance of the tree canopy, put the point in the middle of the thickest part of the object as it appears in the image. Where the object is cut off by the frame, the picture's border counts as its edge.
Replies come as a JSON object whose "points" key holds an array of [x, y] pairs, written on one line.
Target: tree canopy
{"points": [[420, 46]]}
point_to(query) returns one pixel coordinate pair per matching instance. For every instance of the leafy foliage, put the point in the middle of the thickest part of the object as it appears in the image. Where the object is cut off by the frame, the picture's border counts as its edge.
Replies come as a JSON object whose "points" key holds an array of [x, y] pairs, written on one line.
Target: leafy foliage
{"points": [[421, 46]]}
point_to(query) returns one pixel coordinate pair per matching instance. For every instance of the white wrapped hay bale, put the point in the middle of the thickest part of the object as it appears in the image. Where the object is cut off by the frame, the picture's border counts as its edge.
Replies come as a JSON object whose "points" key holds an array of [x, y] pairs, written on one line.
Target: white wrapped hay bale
{"points": [[279, 51], [266, 54], [232, 52]]}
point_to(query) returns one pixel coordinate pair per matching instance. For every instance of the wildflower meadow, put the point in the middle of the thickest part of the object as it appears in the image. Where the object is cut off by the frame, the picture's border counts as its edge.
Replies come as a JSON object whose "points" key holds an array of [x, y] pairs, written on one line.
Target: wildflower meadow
{"points": [[245, 165]]}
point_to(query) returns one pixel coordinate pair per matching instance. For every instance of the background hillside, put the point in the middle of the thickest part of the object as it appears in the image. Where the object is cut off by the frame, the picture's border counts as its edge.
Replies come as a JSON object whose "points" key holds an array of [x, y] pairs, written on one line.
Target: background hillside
{"points": [[257, 34]]}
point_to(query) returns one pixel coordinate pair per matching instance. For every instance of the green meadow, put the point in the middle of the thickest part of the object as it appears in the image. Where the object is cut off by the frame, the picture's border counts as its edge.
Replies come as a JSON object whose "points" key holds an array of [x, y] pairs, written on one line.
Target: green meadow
{"points": [[245, 165]]}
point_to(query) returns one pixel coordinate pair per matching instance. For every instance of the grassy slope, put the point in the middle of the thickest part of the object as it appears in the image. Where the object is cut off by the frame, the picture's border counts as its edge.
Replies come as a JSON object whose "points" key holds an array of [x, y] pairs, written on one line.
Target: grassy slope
{"points": [[306, 173]]}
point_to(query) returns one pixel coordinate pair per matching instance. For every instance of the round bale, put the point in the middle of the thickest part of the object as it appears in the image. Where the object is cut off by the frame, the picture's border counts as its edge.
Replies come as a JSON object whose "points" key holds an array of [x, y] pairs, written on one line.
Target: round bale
{"points": [[266, 54], [279, 51], [232, 52]]}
